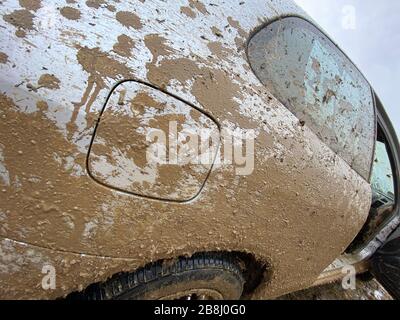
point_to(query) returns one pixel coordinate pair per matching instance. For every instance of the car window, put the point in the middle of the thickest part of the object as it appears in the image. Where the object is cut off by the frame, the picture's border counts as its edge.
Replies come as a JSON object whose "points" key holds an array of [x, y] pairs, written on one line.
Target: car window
{"points": [[318, 83], [382, 180]]}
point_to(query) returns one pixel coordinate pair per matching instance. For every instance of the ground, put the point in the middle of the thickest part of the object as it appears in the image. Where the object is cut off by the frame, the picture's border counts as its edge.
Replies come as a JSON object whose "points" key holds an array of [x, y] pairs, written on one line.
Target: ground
{"points": [[370, 290]]}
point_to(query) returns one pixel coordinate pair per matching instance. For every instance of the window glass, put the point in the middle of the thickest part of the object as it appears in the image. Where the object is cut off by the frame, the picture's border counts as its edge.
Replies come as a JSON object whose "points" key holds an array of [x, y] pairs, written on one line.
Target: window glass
{"points": [[382, 180], [319, 84]]}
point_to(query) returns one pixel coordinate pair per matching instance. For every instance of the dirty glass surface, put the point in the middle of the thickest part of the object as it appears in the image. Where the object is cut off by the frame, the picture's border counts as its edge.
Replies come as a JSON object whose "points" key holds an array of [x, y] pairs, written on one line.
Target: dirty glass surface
{"points": [[382, 179], [318, 83]]}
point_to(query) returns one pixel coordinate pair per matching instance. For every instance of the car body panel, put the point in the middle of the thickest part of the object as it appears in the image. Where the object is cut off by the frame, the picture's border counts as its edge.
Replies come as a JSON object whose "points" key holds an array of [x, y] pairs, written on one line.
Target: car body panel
{"points": [[60, 65]]}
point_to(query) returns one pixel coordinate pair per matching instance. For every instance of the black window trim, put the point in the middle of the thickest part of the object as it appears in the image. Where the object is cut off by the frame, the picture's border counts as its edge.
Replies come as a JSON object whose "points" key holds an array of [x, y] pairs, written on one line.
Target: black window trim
{"points": [[393, 145]]}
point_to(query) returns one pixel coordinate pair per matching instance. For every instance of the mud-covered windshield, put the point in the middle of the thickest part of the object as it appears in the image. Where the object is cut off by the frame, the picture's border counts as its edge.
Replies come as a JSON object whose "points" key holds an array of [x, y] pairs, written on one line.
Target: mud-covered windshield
{"points": [[319, 84]]}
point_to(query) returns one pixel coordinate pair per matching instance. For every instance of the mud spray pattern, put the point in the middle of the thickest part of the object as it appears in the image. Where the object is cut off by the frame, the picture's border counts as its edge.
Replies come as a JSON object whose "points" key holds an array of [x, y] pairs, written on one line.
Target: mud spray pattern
{"points": [[188, 146]]}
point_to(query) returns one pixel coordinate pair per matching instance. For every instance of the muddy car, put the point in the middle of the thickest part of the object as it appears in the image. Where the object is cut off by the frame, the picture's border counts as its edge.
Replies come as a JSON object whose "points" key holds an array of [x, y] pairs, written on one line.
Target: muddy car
{"points": [[185, 149]]}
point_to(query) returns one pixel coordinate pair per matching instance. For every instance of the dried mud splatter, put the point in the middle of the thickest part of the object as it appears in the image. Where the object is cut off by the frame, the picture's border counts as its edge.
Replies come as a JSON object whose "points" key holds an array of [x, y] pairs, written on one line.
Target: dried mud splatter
{"points": [[241, 39], [124, 46], [235, 24], [208, 81], [95, 3], [70, 13], [33, 5], [49, 81], [3, 58], [217, 32], [100, 66], [199, 6], [129, 19], [111, 8], [22, 20], [42, 105], [157, 46], [219, 50], [188, 12]]}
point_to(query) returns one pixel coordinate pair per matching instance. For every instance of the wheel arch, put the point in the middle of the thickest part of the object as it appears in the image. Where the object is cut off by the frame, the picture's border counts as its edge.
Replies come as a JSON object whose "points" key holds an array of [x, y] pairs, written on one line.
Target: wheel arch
{"points": [[255, 272]]}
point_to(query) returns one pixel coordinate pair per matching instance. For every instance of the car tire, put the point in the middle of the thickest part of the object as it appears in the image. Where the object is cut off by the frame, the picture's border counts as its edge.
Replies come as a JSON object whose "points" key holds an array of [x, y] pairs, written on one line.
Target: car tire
{"points": [[209, 276]]}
